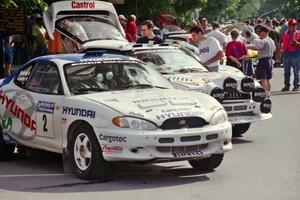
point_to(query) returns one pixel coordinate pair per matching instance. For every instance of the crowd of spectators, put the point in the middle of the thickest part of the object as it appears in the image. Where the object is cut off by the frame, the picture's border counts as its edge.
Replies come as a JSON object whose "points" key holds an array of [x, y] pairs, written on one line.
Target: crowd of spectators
{"points": [[275, 41]]}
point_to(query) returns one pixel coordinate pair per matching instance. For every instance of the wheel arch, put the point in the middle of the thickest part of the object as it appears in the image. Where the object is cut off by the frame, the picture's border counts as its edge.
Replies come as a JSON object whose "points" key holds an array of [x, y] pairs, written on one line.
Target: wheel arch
{"points": [[73, 126]]}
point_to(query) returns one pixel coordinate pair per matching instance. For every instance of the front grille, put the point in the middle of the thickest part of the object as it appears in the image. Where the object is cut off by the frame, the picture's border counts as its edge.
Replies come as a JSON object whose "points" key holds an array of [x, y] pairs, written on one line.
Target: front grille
{"points": [[182, 149], [241, 114], [183, 122], [236, 96]]}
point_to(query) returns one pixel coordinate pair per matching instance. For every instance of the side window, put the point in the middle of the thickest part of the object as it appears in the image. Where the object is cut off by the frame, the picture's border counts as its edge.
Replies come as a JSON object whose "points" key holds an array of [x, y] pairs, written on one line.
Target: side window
{"points": [[45, 79], [23, 76]]}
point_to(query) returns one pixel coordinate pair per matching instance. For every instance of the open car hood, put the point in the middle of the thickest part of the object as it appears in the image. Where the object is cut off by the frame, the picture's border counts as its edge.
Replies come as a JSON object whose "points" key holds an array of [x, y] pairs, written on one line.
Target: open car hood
{"points": [[103, 12]]}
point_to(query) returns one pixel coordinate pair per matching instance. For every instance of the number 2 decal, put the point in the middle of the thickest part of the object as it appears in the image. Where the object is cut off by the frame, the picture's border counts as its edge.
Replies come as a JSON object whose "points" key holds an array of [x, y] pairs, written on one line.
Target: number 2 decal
{"points": [[45, 123]]}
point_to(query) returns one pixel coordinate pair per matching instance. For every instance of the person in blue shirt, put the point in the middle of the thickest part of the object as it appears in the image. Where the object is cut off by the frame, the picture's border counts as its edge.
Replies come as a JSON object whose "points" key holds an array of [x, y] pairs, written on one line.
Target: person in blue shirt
{"points": [[8, 44]]}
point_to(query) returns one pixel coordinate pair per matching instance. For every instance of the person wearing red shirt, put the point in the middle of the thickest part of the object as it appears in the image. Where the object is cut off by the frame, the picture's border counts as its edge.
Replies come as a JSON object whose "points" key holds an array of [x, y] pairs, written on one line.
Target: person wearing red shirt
{"points": [[131, 27], [236, 51]]}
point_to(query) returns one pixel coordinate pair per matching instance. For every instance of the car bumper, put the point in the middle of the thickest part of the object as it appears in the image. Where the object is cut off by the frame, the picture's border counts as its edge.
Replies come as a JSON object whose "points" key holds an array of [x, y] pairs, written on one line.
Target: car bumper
{"points": [[249, 119], [245, 112], [180, 144]]}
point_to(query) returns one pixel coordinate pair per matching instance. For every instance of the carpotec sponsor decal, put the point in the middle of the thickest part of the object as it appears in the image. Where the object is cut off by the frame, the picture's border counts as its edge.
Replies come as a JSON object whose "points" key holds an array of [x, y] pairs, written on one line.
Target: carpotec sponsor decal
{"points": [[83, 5], [111, 149], [17, 112], [111, 139], [47, 107], [79, 112], [19, 106]]}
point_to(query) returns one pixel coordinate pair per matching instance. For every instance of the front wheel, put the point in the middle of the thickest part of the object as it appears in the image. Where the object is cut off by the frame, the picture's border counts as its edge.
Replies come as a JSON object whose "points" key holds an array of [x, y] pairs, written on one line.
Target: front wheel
{"points": [[207, 164], [239, 129], [6, 150], [86, 155]]}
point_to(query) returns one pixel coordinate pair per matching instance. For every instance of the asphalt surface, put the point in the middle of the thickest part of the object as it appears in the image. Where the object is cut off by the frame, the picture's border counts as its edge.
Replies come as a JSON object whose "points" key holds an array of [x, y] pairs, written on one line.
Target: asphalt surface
{"points": [[264, 164]]}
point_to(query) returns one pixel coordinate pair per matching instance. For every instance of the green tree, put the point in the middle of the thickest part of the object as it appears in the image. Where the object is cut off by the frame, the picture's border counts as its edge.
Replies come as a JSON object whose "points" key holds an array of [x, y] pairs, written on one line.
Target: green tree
{"points": [[29, 4], [218, 10], [146, 9]]}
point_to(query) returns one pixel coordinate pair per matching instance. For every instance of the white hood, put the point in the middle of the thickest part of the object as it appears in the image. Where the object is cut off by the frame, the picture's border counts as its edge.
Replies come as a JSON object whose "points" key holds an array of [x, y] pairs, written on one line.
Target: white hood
{"points": [[204, 81], [196, 81], [157, 105]]}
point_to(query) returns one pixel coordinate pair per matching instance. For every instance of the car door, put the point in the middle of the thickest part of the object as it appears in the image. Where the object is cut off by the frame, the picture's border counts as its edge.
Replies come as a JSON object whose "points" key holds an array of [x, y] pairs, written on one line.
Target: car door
{"points": [[45, 87]]}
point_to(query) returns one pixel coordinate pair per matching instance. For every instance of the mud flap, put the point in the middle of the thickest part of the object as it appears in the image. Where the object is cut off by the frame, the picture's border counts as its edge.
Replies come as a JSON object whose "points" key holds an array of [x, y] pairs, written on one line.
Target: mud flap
{"points": [[67, 162]]}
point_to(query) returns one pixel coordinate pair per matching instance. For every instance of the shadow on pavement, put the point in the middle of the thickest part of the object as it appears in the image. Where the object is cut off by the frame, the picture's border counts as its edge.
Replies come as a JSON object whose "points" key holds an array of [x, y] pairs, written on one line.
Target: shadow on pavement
{"points": [[241, 141], [45, 174]]}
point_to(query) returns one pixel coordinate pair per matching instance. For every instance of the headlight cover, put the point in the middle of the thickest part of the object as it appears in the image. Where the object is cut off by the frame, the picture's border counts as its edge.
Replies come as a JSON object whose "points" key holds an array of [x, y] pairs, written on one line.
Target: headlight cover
{"points": [[219, 117], [133, 123]]}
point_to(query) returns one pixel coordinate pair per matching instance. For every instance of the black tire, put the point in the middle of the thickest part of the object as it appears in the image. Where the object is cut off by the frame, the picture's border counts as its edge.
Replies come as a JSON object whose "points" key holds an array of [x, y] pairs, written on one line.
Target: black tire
{"points": [[239, 129], [97, 167], [207, 164], [6, 150]]}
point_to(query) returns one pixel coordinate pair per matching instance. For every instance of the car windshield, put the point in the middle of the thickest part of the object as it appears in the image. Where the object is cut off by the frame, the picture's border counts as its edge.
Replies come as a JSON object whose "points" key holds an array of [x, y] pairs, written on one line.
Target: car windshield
{"points": [[83, 29], [169, 60], [102, 76]]}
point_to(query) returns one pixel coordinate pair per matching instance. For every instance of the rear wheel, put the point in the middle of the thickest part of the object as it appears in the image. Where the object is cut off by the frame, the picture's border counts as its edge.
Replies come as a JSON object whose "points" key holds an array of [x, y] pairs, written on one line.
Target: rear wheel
{"points": [[207, 164], [239, 129], [86, 155], [6, 150]]}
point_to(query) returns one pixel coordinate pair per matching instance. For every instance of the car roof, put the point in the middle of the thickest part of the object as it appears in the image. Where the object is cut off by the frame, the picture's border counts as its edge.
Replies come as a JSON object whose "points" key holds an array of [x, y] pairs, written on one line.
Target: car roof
{"points": [[81, 57]]}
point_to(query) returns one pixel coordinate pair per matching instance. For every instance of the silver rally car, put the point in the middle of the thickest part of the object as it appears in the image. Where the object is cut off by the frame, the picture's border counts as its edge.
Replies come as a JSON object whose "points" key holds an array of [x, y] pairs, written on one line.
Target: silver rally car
{"points": [[242, 97], [99, 108]]}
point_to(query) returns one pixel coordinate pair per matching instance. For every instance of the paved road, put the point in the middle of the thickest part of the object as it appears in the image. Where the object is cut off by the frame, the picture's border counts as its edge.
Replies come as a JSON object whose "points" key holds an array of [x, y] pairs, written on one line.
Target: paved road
{"points": [[264, 164]]}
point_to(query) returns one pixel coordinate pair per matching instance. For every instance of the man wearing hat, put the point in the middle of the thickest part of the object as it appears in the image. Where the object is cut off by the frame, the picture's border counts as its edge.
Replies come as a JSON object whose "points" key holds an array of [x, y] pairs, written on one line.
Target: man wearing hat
{"points": [[265, 49], [291, 55], [39, 37]]}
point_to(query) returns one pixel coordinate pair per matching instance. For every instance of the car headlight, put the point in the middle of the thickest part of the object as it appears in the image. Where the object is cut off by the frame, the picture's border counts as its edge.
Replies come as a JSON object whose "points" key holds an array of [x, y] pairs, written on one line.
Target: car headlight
{"points": [[219, 117], [134, 123]]}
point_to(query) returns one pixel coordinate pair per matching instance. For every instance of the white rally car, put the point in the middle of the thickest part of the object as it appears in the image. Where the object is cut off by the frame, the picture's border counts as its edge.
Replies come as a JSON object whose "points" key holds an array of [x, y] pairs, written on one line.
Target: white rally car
{"points": [[243, 98], [99, 108]]}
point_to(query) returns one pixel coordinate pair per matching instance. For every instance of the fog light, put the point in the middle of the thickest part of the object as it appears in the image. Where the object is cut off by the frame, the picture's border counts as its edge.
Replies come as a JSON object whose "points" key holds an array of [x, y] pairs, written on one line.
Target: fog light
{"points": [[218, 94], [247, 85], [266, 106], [258, 94], [230, 84]]}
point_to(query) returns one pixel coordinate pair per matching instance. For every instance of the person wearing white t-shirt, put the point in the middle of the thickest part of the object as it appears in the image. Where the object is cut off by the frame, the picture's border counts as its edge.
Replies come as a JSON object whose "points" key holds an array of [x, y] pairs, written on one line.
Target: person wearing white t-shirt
{"points": [[216, 33], [209, 48]]}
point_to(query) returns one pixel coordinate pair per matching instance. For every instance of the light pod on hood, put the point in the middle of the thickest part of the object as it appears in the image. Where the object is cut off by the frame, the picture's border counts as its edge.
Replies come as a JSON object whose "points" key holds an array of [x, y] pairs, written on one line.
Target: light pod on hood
{"points": [[218, 94], [230, 84], [259, 94], [247, 84], [265, 106]]}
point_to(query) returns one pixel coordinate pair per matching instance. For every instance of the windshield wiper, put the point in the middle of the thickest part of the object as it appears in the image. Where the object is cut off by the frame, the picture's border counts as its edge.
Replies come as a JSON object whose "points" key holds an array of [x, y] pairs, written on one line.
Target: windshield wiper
{"points": [[141, 86]]}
